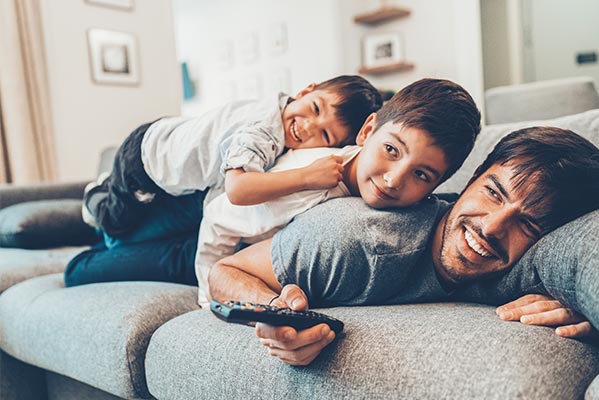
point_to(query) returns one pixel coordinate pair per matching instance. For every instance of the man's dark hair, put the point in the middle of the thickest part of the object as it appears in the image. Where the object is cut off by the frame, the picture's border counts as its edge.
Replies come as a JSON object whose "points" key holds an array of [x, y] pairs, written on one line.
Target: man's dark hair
{"points": [[441, 108], [358, 99], [562, 165]]}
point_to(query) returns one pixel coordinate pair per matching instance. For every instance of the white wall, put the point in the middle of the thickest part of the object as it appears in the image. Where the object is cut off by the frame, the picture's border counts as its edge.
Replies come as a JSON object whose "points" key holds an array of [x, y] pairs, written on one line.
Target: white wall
{"points": [[442, 39], [557, 32], [86, 116], [206, 29]]}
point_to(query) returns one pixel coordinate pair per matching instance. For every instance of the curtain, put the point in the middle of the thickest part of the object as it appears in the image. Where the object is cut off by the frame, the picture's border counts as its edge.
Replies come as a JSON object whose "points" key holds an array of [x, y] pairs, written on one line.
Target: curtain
{"points": [[26, 147]]}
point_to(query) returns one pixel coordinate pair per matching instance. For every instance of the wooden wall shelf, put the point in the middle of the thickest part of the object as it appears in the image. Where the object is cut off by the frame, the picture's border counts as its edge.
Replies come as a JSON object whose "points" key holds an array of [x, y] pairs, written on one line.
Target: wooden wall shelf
{"points": [[397, 67], [381, 15]]}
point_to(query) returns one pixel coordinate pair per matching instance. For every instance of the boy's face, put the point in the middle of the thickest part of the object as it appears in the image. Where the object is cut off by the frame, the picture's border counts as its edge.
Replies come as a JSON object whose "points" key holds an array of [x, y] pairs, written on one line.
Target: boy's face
{"points": [[310, 120], [398, 166]]}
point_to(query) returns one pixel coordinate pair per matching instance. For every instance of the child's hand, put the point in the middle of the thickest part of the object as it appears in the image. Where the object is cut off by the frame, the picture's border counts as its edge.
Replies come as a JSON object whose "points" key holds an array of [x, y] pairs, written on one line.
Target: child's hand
{"points": [[323, 173], [536, 309], [287, 344]]}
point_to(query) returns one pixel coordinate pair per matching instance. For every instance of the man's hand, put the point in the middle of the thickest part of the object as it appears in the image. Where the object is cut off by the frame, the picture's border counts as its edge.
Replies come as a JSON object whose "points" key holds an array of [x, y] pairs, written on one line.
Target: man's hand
{"points": [[291, 346], [536, 309], [324, 173]]}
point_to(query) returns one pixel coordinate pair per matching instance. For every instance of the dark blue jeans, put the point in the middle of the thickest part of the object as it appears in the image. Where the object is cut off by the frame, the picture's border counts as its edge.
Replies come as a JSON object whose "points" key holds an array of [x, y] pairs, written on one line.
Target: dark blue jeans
{"points": [[162, 248]]}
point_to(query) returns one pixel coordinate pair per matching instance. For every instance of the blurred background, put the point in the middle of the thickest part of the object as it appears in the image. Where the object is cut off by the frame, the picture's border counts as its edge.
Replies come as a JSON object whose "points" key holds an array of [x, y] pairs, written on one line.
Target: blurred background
{"points": [[76, 76]]}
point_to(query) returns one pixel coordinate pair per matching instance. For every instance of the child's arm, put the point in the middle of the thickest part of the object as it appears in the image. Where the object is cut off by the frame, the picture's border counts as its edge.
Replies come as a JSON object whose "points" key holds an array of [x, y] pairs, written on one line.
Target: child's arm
{"points": [[247, 188], [536, 309]]}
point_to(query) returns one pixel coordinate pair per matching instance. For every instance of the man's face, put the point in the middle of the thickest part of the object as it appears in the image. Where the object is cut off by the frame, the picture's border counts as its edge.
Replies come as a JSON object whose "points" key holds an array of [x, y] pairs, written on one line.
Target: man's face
{"points": [[488, 229], [311, 120], [397, 166]]}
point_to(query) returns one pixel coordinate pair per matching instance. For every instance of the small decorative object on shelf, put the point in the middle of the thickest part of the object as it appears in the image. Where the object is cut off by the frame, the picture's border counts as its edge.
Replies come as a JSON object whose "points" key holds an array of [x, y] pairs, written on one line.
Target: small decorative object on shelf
{"points": [[383, 14], [384, 52], [384, 69]]}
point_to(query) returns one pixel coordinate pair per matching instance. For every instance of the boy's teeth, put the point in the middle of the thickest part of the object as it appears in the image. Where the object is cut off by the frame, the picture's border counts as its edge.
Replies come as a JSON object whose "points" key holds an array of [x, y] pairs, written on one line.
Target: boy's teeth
{"points": [[474, 245], [294, 131]]}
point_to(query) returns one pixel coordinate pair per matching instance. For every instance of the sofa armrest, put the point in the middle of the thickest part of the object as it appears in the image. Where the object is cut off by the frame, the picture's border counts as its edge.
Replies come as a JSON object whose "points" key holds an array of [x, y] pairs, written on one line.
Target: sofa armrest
{"points": [[13, 194]]}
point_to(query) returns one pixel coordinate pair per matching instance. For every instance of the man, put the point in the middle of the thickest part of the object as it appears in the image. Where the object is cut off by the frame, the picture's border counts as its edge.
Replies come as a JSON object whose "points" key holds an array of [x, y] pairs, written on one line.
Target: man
{"points": [[343, 253]]}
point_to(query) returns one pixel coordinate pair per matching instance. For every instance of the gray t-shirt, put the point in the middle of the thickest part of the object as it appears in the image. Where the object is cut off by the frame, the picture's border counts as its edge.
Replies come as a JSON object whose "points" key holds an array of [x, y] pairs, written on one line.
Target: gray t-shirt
{"points": [[343, 252]]}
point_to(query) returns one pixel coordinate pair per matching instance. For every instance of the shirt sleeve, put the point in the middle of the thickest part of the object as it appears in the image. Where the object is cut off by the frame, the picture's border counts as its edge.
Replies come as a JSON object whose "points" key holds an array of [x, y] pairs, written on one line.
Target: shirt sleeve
{"points": [[254, 149]]}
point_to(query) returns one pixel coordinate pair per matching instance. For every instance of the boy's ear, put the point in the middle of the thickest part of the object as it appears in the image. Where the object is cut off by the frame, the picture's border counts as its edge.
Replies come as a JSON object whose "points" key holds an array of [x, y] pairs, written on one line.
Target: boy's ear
{"points": [[367, 129], [306, 90]]}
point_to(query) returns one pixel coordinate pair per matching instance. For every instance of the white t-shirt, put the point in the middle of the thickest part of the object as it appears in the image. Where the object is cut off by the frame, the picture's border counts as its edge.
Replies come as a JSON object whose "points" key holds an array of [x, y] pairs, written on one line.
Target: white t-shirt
{"points": [[183, 154], [225, 225]]}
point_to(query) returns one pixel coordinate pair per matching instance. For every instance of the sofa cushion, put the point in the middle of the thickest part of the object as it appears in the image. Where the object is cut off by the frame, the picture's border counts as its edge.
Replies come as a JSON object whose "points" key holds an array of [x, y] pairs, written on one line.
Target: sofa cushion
{"points": [[433, 351], [96, 333], [593, 390], [44, 224], [585, 124], [17, 265]]}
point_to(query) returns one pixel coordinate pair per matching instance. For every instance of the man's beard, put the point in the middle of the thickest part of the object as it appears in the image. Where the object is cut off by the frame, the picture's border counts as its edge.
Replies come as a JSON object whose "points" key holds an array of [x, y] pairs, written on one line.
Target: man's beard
{"points": [[445, 262]]}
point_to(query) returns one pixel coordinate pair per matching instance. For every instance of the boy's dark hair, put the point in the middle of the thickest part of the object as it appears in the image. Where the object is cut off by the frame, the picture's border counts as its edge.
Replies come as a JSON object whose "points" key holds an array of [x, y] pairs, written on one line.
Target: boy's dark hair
{"points": [[562, 165], [358, 99], [441, 108]]}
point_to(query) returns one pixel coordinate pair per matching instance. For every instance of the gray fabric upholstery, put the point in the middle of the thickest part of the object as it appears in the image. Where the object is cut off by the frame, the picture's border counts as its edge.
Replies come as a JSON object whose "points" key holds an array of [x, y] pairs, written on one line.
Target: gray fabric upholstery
{"points": [[13, 194], [17, 265], [593, 390], [20, 381], [425, 351], [585, 124], [45, 224], [96, 333], [62, 388], [540, 100]]}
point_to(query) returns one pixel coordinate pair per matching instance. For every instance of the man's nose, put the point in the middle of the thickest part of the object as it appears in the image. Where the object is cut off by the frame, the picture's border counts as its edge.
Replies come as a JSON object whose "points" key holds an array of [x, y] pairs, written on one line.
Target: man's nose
{"points": [[497, 222]]}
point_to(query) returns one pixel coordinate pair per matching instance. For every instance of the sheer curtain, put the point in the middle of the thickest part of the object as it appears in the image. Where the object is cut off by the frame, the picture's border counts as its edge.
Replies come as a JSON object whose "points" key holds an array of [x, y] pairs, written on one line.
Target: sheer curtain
{"points": [[26, 146]]}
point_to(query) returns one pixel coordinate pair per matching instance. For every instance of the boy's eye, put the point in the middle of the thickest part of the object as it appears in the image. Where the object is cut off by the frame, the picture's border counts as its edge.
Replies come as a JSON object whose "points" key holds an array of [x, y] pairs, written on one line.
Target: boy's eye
{"points": [[423, 176], [326, 136], [316, 109], [390, 149]]}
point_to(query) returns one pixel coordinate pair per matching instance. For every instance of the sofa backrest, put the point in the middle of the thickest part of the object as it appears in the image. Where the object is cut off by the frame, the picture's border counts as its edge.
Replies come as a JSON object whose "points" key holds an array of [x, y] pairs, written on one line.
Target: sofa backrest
{"points": [[540, 100], [585, 124]]}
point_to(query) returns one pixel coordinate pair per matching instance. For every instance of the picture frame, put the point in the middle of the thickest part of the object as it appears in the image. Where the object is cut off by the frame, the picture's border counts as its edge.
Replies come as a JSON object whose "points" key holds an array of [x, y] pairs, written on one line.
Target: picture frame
{"points": [[118, 4], [382, 49], [113, 57]]}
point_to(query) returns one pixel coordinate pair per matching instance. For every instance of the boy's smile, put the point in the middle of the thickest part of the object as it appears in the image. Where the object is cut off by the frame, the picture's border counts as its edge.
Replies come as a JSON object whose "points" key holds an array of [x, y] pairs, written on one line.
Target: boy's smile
{"points": [[311, 120], [397, 166]]}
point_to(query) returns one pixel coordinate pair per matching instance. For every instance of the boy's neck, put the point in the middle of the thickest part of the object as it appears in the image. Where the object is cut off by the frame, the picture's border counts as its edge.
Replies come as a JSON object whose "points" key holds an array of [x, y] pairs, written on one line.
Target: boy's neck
{"points": [[350, 175]]}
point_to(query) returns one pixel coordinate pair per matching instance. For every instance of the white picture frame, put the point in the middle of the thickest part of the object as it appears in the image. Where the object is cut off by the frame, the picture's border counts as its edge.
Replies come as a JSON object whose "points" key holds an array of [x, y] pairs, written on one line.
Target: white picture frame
{"points": [[119, 4], [113, 57], [382, 49]]}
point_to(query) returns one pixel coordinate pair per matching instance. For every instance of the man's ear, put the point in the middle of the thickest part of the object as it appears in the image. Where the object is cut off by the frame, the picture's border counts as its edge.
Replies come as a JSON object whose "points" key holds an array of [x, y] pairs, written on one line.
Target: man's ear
{"points": [[367, 129], [306, 90]]}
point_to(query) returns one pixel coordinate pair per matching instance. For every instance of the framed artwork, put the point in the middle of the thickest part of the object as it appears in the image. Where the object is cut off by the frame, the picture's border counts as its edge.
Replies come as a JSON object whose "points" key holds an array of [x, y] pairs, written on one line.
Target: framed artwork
{"points": [[120, 4], [382, 49], [113, 57]]}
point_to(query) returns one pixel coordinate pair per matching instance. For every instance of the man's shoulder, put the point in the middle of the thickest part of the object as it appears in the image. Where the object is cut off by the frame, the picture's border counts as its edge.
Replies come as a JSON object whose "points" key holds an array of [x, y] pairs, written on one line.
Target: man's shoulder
{"points": [[383, 231]]}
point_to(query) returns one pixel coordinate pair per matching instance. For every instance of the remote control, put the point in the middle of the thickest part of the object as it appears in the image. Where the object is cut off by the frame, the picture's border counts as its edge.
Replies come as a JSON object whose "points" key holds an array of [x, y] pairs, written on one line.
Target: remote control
{"points": [[242, 312]]}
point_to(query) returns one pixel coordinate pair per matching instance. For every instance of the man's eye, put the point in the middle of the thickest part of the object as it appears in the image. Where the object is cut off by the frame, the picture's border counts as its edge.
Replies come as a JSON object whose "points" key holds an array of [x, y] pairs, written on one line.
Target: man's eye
{"points": [[390, 149], [530, 228], [316, 109], [423, 176], [492, 192]]}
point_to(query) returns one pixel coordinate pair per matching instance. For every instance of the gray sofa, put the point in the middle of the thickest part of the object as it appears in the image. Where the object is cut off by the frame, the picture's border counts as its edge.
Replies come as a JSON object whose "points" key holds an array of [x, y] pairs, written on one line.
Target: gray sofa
{"points": [[140, 340]]}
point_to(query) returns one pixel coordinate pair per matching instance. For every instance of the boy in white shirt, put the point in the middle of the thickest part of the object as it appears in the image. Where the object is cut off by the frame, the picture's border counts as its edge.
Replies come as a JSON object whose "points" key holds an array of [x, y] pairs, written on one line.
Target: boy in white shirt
{"points": [[404, 151], [229, 149]]}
